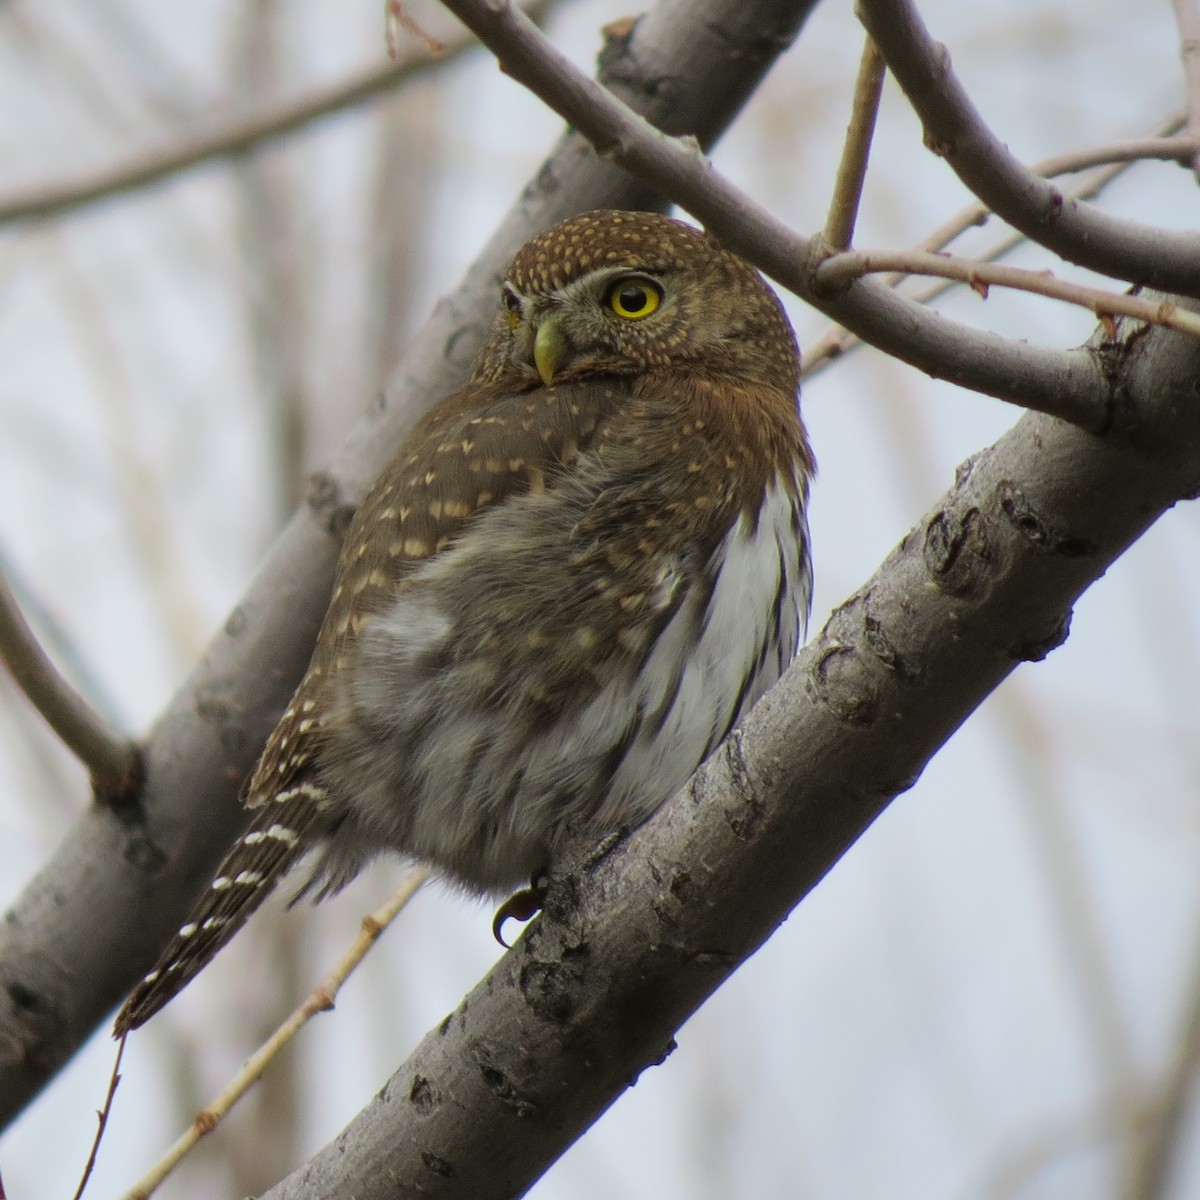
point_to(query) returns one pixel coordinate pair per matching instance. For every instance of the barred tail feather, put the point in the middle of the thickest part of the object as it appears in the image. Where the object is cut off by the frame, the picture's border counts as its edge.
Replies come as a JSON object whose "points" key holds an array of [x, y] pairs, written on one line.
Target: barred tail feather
{"points": [[277, 837]]}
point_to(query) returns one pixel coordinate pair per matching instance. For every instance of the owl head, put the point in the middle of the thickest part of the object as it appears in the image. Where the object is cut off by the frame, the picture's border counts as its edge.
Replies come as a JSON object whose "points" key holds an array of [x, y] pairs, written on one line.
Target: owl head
{"points": [[612, 292]]}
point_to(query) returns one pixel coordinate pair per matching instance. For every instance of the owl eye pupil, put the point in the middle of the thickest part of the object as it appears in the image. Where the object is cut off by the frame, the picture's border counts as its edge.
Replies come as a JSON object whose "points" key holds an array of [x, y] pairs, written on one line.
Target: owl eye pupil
{"points": [[634, 298]]}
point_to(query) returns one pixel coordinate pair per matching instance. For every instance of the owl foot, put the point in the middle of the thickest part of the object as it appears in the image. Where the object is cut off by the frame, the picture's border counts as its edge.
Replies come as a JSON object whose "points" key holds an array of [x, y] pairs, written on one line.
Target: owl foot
{"points": [[520, 906]]}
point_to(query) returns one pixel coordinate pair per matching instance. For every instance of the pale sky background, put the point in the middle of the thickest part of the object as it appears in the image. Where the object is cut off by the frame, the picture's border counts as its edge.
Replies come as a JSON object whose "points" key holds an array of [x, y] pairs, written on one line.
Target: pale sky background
{"points": [[964, 1005]]}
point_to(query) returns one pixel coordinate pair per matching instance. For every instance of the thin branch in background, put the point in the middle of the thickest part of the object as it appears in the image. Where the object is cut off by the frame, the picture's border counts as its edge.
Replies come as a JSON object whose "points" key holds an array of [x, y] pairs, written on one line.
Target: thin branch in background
{"points": [[1091, 1127], [283, 268], [138, 477], [856, 150], [1078, 929], [399, 18], [1187, 20], [62, 197], [319, 1000], [112, 760], [1155, 1154], [1114, 157], [842, 269]]}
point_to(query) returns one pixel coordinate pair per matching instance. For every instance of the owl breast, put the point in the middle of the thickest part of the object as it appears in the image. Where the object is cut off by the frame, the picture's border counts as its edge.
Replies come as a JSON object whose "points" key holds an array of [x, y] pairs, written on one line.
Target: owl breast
{"points": [[479, 733]]}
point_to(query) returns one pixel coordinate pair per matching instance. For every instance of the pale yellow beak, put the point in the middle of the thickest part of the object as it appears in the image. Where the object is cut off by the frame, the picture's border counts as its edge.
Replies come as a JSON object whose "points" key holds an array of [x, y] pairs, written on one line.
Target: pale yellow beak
{"points": [[549, 348]]}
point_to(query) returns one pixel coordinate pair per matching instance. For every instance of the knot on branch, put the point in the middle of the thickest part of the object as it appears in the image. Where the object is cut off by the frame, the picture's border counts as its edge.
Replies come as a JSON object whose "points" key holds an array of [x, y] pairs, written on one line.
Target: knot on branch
{"points": [[957, 552], [1015, 505], [323, 495]]}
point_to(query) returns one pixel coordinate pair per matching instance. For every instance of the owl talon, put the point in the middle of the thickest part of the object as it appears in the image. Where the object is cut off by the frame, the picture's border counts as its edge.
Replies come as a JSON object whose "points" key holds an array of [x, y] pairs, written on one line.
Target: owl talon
{"points": [[520, 906]]}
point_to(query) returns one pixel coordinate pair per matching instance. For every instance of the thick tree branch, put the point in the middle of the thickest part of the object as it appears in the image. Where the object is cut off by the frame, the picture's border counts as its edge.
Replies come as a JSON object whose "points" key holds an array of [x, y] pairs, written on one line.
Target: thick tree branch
{"points": [[634, 937], [96, 915], [1061, 383], [1074, 230]]}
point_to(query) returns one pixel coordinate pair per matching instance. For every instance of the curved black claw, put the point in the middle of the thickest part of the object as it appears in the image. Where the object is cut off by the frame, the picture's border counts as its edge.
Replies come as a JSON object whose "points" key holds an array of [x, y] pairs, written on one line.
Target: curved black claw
{"points": [[520, 906]]}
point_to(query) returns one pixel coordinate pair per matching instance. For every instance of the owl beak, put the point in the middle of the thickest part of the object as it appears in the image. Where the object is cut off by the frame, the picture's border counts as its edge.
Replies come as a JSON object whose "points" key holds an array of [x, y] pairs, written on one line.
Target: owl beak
{"points": [[549, 349]]}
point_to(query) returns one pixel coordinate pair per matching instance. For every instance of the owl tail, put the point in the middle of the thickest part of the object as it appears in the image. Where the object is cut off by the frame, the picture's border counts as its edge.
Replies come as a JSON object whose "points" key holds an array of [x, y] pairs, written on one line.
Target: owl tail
{"points": [[280, 833]]}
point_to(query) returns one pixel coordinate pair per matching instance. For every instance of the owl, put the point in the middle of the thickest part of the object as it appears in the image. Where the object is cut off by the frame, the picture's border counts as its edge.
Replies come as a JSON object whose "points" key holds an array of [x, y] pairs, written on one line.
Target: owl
{"points": [[573, 579]]}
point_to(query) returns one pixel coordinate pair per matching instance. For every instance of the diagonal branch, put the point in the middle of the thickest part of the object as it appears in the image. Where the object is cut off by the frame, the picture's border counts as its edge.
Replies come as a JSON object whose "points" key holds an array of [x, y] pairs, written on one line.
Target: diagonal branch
{"points": [[113, 761], [320, 999], [68, 196]]}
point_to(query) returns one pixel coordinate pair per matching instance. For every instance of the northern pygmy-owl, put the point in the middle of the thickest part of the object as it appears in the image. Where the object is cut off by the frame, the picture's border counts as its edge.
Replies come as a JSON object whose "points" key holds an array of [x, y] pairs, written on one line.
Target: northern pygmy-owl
{"points": [[573, 579]]}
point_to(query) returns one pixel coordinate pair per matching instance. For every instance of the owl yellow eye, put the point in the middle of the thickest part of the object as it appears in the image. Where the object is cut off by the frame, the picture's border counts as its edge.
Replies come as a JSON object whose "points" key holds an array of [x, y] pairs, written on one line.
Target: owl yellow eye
{"points": [[634, 297]]}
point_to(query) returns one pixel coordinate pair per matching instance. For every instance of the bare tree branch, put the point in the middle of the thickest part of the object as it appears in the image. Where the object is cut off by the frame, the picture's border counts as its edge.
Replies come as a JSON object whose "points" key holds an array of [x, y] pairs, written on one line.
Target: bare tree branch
{"points": [[96, 915], [634, 937], [852, 170], [839, 270], [68, 196], [1076, 231], [113, 761]]}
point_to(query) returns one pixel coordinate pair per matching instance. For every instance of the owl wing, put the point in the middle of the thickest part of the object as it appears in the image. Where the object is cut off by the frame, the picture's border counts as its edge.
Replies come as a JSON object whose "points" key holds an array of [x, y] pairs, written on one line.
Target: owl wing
{"points": [[474, 450]]}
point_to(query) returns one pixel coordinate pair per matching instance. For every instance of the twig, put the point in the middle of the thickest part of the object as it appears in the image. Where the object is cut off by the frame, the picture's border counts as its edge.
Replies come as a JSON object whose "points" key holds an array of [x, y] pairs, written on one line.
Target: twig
{"points": [[1124, 249], [113, 761], [842, 269], [398, 17], [319, 1000], [102, 1116], [1187, 19], [852, 170]]}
